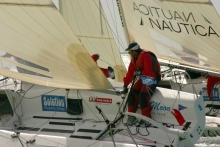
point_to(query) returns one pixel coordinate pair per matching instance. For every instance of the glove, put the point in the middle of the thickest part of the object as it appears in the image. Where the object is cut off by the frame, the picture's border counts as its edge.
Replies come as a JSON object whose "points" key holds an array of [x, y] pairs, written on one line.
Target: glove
{"points": [[137, 73], [125, 89]]}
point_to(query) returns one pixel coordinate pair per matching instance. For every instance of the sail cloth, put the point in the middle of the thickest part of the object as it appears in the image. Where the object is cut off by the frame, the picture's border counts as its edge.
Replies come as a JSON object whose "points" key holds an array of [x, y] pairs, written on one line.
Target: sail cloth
{"points": [[86, 18], [181, 31], [38, 46]]}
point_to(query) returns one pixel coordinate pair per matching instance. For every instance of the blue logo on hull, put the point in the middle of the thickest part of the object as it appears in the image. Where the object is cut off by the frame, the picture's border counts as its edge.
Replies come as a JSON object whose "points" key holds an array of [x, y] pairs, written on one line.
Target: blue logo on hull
{"points": [[53, 103], [157, 106], [215, 96]]}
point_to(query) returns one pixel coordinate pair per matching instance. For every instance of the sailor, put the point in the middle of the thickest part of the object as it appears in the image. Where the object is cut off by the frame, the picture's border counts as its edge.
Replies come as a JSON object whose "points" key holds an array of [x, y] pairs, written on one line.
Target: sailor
{"points": [[211, 82], [109, 72], [143, 62]]}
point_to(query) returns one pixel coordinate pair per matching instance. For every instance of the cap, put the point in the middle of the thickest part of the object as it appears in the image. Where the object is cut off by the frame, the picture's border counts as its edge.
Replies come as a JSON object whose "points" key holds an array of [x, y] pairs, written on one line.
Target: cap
{"points": [[133, 46]]}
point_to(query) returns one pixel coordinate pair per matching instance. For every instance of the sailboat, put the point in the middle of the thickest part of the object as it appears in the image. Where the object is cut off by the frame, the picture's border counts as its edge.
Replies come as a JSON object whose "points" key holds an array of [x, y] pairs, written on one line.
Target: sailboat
{"points": [[59, 90]]}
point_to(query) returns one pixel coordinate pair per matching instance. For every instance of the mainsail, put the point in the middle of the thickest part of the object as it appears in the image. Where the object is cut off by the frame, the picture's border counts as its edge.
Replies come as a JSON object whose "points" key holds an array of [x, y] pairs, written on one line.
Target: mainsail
{"points": [[86, 18], [186, 32], [38, 46]]}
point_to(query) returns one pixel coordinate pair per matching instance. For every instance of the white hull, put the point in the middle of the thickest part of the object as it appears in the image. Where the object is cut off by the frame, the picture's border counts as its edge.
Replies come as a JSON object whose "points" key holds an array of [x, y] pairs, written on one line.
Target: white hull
{"points": [[36, 115]]}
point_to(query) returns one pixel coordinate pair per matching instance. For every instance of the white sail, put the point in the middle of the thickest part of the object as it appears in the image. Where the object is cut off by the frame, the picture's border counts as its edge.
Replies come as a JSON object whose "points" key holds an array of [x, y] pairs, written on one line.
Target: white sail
{"points": [[38, 46], [87, 19], [182, 31]]}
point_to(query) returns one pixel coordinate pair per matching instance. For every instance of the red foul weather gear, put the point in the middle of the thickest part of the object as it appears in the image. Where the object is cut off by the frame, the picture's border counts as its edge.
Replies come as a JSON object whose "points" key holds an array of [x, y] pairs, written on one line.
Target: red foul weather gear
{"points": [[95, 57], [147, 63]]}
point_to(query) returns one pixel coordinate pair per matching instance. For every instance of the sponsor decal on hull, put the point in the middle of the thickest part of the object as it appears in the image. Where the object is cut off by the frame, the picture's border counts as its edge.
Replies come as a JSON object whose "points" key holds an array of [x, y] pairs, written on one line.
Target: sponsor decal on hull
{"points": [[157, 106], [100, 100], [53, 103], [215, 96]]}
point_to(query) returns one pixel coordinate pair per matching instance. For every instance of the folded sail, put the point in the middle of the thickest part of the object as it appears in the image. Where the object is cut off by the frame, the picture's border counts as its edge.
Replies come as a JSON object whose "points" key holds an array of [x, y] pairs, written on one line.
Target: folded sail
{"points": [[182, 31], [38, 46], [86, 18]]}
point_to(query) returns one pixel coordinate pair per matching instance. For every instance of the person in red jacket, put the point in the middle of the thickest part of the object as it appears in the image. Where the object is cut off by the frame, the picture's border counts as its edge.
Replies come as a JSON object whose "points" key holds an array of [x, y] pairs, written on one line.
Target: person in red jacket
{"points": [[211, 81], [109, 72], [146, 63]]}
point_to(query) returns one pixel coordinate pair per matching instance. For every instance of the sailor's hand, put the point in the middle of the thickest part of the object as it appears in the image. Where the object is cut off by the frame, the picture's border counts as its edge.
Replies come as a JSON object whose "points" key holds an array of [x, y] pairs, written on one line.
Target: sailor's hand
{"points": [[137, 73]]}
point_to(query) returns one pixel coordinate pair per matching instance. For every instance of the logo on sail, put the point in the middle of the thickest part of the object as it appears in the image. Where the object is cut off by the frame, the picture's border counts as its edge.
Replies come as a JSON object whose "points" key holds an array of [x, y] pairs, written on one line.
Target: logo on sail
{"points": [[174, 21], [53, 103]]}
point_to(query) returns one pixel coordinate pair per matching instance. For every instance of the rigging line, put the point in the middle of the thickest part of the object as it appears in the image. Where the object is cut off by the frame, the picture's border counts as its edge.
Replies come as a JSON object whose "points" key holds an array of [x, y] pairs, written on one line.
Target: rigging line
{"points": [[74, 16], [121, 60], [11, 138], [115, 25], [40, 95], [106, 21], [43, 123], [88, 106], [115, 19], [112, 30], [159, 116], [119, 110], [111, 65], [23, 96]]}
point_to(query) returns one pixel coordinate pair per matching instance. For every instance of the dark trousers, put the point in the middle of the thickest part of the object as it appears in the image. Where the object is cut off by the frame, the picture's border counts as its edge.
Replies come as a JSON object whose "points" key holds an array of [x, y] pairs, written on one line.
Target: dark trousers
{"points": [[139, 93]]}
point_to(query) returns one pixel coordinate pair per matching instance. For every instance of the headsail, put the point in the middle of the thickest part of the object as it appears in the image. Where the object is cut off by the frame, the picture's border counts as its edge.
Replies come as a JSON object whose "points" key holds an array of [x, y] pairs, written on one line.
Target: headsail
{"points": [[38, 46], [86, 18], [176, 30]]}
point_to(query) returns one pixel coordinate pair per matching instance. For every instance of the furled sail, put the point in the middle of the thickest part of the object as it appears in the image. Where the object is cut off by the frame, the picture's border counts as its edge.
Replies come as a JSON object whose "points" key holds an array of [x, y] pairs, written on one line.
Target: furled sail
{"points": [[38, 46], [86, 18], [181, 31]]}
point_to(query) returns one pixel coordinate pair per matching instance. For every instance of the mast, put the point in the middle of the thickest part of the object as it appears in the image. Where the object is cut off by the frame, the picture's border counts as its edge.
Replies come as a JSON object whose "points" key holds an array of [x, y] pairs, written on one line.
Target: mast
{"points": [[123, 23]]}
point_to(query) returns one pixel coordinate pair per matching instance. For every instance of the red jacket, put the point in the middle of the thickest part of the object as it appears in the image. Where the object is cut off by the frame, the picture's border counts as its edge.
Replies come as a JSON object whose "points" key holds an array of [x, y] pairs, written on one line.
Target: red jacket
{"points": [[145, 64], [212, 80]]}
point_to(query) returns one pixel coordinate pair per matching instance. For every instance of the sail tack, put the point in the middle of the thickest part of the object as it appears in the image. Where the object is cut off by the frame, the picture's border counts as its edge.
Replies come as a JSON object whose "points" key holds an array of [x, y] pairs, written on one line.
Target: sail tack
{"points": [[38, 46], [176, 30]]}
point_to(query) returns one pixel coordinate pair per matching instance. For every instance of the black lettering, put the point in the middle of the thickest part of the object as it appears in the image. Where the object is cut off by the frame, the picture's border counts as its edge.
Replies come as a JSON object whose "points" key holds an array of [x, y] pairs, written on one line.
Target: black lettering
{"points": [[150, 11], [211, 134], [156, 11], [185, 26], [158, 25], [193, 29], [165, 25], [197, 30], [217, 133], [211, 29], [146, 9], [174, 29], [135, 7], [176, 15], [171, 17], [187, 19]]}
